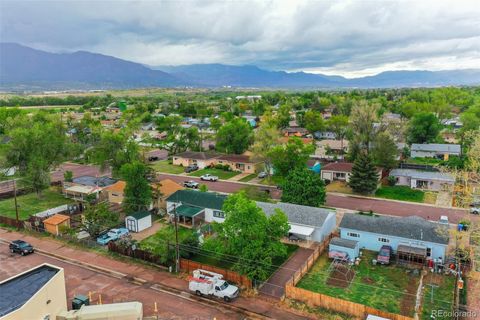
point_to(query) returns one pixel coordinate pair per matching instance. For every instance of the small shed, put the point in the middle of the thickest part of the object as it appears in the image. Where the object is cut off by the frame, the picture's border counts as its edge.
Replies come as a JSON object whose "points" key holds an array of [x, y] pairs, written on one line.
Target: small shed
{"points": [[52, 224], [138, 221], [338, 245]]}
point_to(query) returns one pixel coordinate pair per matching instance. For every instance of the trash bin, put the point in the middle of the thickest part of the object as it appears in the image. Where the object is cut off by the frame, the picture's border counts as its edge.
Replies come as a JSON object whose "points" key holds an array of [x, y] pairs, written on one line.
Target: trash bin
{"points": [[79, 300], [460, 227]]}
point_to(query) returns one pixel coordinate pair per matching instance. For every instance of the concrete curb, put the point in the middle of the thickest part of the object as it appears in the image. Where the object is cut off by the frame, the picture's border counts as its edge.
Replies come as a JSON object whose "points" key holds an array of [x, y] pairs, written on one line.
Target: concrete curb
{"points": [[392, 200]]}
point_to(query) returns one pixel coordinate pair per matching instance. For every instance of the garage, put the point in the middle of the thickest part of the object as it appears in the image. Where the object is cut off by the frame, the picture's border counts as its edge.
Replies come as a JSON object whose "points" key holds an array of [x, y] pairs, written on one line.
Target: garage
{"points": [[138, 221]]}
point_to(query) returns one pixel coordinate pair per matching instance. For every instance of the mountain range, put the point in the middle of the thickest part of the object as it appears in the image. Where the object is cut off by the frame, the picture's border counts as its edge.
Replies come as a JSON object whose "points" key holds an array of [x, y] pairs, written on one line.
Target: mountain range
{"points": [[24, 68]]}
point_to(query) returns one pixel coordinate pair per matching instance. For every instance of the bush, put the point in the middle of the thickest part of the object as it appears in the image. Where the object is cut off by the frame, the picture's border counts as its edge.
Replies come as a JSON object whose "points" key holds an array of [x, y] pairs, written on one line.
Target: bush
{"points": [[391, 181], [224, 167]]}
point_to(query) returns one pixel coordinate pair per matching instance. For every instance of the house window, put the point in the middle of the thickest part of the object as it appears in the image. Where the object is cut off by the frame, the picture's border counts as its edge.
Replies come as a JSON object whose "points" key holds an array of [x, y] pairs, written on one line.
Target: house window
{"points": [[429, 252], [383, 240], [218, 214], [353, 234], [114, 195]]}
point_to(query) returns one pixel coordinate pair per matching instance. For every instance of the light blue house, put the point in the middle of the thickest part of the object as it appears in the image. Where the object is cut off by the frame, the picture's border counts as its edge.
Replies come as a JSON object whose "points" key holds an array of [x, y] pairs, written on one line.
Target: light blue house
{"points": [[411, 238]]}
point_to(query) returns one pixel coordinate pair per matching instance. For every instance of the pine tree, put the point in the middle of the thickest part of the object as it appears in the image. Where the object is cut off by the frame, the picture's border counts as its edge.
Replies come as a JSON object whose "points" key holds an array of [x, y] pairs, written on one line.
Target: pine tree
{"points": [[364, 177]]}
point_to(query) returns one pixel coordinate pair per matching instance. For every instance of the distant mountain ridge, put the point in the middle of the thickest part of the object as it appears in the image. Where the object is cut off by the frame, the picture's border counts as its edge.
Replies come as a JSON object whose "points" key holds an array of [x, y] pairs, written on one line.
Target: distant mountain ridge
{"points": [[24, 68]]}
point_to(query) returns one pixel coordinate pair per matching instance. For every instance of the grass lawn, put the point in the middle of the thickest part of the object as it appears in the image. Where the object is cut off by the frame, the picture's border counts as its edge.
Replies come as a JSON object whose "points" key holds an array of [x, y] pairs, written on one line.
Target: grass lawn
{"points": [[381, 287], [248, 178], [442, 295], [338, 186], [403, 193], [272, 180], [221, 174], [164, 166], [30, 204], [227, 263]]}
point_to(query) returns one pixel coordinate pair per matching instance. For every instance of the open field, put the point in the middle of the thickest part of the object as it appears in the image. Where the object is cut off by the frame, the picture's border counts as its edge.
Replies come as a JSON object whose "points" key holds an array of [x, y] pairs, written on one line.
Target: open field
{"points": [[403, 193], [165, 167], [29, 204], [221, 174], [388, 288]]}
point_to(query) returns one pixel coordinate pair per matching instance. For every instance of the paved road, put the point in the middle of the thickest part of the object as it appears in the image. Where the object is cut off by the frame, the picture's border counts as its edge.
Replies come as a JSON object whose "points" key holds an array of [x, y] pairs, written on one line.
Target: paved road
{"points": [[220, 186], [394, 208], [80, 280], [120, 289]]}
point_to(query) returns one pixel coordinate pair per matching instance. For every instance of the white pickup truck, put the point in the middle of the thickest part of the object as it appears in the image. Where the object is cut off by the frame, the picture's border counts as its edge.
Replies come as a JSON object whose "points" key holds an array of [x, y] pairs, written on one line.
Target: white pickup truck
{"points": [[210, 283], [209, 177]]}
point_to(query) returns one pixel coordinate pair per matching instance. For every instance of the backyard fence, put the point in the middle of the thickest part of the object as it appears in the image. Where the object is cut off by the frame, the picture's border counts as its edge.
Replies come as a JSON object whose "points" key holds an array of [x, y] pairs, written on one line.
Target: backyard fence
{"points": [[11, 222], [137, 253], [357, 310], [189, 265], [310, 261]]}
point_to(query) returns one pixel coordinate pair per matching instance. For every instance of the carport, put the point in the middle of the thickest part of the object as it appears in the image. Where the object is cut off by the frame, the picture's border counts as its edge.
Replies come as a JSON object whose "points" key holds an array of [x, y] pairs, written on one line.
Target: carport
{"points": [[302, 232], [190, 214], [411, 255]]}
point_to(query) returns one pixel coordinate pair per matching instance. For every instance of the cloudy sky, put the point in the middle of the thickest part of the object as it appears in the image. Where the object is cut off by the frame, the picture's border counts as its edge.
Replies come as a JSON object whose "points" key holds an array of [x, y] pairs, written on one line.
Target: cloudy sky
{"points": [[350, 38]]}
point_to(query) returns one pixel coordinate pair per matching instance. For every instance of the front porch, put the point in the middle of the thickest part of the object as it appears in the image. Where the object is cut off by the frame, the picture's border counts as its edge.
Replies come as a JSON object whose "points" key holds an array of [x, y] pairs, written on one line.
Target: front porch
{"points": [[189, 216]]}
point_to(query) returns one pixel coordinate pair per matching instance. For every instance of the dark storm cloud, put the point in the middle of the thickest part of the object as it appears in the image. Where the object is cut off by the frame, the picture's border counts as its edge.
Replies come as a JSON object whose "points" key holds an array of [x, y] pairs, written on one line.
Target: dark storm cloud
{"points": [[348, 37]]}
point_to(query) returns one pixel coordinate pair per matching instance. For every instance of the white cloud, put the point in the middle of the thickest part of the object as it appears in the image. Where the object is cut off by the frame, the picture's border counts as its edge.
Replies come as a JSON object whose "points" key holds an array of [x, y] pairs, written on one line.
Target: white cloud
{"points": [[337, 37]]}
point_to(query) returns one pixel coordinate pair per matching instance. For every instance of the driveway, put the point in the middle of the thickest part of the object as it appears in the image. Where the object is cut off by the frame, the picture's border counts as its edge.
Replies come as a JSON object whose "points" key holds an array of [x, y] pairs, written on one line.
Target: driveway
{"points": [[275, 286]]}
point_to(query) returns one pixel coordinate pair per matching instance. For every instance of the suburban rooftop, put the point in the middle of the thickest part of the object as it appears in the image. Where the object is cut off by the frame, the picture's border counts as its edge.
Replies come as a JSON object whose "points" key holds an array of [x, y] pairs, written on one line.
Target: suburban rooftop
{"points": [[412, 227], [436, 147], [428, 175]]}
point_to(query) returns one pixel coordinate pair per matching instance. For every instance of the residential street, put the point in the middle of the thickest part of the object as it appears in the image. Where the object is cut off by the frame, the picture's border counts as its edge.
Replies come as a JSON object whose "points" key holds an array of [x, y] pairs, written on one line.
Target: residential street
{"points": [[88, 271], [381, 206]]}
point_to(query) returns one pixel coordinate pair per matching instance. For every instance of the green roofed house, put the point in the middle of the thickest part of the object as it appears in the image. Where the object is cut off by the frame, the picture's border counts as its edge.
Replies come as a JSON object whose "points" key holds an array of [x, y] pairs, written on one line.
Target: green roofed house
{"points": [[138, 221], [194, 207]]}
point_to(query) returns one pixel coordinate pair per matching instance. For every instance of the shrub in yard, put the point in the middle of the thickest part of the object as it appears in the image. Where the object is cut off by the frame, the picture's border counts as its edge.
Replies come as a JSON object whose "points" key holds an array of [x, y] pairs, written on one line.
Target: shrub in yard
{"points": [[223, 167], [203, 188], [68, 176], [391, 181]]}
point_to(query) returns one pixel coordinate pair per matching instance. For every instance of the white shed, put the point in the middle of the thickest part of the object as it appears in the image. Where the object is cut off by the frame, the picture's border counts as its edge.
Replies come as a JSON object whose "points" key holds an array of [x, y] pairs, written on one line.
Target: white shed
{"points": [[138, 221]]}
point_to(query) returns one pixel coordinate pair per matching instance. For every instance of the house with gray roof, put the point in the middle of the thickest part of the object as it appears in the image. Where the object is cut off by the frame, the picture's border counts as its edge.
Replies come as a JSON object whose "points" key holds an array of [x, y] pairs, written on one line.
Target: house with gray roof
{"points": [[372, 232], [425, 180], [195, 207], [434, 150]]}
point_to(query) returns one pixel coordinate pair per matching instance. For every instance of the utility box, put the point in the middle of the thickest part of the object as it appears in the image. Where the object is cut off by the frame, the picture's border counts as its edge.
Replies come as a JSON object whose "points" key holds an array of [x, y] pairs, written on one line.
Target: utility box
{"points": [[80, 300]]}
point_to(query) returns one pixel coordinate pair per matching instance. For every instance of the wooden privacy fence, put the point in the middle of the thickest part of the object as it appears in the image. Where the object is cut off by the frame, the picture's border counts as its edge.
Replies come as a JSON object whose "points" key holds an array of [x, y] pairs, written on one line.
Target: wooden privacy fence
{"points": [[310, 261], [11, 222], [189, 265], [137, 253], [357, 310]]}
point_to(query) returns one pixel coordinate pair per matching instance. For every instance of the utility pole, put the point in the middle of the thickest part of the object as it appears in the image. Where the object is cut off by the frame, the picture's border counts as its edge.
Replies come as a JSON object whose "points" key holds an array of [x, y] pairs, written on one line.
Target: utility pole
{"points": [[15, 196], [177, 248]]}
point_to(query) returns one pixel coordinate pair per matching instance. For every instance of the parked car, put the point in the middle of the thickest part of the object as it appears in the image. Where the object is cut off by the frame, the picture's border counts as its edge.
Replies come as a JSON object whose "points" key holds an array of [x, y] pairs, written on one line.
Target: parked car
{"points": [[112, 235], [475, 208], [20, 246], [191, 168], [384, 254], [209, 177], [443, 220], [262, 175], [191, 184]]}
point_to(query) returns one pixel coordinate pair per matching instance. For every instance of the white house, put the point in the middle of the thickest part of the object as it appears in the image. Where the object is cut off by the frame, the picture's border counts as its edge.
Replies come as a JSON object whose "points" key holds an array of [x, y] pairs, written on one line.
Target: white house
{"points": [[426, 180], [434, 150], [194, 207], [410, 234], [138, 221]]}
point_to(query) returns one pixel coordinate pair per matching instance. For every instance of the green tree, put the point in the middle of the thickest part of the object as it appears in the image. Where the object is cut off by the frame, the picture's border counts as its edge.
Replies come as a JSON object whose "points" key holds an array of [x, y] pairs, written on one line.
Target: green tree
{"points": [[290, 155], [313, 121], [423, 128], [364, 177], [114, 149], [283, 116], [266, 138], [234, 136], [98, 218], [362, 119], [384, 151], [138, 192], [251, 236], [36, 148], [303, 186]]}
